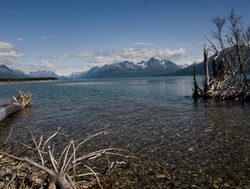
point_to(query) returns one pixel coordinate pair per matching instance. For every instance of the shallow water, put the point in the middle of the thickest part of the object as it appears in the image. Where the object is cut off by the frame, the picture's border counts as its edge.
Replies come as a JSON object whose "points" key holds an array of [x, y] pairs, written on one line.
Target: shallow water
{"points": [[193, 144]]}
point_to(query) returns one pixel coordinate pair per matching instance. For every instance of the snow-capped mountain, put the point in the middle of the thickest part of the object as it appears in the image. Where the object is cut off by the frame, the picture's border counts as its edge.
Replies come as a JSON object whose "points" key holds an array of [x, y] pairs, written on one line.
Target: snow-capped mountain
{"points": [[43, 73], [184, 66], [152, 67], [6, 72]]}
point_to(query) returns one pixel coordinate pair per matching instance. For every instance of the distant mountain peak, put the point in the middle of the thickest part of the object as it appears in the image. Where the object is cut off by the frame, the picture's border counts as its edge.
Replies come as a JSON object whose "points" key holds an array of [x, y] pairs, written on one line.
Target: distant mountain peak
{"points": [[43, 73], [2, 66], [153, 59]]}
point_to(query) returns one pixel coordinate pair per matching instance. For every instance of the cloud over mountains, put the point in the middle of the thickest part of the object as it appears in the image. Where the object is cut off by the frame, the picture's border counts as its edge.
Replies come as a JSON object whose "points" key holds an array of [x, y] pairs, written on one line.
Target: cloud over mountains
{"points": [[101, 57], [9, 53], [136, 55]]}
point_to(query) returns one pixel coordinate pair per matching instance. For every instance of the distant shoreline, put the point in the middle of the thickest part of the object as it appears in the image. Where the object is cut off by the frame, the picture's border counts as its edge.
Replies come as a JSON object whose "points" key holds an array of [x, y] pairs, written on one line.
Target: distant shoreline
{"points": [[13, 80]]}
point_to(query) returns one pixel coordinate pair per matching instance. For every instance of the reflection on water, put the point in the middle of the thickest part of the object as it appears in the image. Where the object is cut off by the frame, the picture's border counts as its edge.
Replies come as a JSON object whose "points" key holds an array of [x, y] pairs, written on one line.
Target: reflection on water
{"points": [[200, 143]]}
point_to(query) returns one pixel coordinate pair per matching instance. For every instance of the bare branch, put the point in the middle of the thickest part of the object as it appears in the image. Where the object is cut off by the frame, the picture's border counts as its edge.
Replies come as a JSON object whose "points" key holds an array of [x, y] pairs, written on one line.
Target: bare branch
{"points": [[10, 132], [65, 162], [96, 176], [90, 137], [62, 154], [52, 136], [40, 141], [38, 150], [53, 161]]}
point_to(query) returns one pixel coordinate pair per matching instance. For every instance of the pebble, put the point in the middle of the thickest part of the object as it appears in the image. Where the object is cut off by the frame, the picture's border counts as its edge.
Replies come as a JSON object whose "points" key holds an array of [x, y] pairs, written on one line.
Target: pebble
{"points": [[215, 186], [226, 185], [160, 176]]}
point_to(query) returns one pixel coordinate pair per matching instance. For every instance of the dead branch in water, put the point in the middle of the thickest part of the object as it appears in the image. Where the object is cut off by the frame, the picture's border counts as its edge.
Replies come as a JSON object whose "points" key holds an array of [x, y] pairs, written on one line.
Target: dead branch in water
{"points": [[230, 62]]}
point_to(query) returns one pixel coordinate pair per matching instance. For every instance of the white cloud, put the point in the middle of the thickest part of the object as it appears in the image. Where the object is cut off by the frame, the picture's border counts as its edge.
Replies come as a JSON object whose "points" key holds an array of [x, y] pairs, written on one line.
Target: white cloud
{"points": [[5, 46], [136, 55], [130, 54], [189, 60], [19, 39], [198, 60], [46, 65], [68, 70], [9, 53]]}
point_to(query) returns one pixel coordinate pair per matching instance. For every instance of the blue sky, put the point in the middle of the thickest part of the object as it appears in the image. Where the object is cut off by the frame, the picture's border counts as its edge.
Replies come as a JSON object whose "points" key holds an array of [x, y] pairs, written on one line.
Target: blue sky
{"points": [[73, 35]]}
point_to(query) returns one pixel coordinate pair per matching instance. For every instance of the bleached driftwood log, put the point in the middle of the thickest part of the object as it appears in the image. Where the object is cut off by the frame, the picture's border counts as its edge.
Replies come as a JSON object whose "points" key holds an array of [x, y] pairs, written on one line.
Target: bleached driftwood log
{"points": [[18, 103]]}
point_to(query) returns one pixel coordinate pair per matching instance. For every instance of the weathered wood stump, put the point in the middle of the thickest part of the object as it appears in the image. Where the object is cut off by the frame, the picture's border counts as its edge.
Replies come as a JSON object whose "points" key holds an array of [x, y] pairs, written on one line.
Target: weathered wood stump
{"points": [[230, 61]]}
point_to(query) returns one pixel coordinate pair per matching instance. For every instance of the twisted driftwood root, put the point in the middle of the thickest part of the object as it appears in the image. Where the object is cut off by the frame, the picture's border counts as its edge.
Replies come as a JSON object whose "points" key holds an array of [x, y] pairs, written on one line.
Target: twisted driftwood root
{"points": [[18, 103], [66, 168]]}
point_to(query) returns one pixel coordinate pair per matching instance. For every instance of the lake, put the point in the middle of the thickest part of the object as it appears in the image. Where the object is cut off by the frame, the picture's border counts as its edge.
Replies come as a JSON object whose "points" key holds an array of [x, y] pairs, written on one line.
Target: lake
{"points": [[182, 142]]}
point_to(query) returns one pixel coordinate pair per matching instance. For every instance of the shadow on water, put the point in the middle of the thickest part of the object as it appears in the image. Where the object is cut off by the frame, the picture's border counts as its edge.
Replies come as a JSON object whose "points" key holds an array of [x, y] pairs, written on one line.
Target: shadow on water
{"points": [[12, 120]]}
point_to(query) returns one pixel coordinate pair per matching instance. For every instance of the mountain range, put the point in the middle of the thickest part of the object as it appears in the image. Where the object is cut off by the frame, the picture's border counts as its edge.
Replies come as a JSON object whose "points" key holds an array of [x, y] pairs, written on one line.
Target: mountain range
{"points": [[150, 68], [9, 73], [43, 73]]}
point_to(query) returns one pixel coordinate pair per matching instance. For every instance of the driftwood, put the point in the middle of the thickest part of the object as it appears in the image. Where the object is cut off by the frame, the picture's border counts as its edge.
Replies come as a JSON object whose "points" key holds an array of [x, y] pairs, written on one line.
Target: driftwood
{"points": [[67, 167], [225, 83], [18, 103]]}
